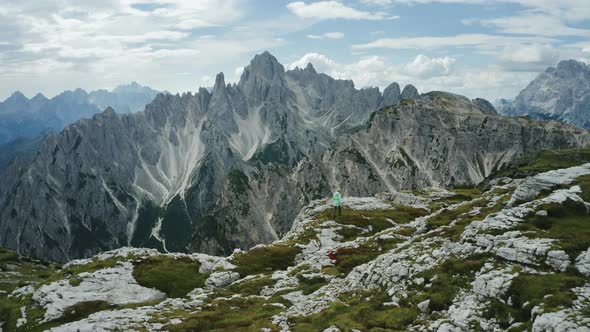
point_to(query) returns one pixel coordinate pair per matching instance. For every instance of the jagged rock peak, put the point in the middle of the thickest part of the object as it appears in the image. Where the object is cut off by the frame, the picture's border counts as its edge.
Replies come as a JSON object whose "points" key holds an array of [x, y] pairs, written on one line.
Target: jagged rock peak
{"points": [[410, 92], [17, 95], [571, 66], [39, 96], [133, 87], [265, 65], [203, 91], [108, 112], [219, 83], [391, 95], [485, 106], [558, 93], [310, 68]]}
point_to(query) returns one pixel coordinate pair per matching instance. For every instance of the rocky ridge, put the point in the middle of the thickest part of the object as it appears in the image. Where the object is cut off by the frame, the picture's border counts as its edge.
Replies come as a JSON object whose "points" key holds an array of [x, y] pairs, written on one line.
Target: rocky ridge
{"points": [[512, 255]]}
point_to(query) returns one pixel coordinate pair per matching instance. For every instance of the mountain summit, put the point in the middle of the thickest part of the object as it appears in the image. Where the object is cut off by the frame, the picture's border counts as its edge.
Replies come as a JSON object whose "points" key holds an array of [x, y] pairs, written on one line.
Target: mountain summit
{"points": [[211, 172], [560, 93]]}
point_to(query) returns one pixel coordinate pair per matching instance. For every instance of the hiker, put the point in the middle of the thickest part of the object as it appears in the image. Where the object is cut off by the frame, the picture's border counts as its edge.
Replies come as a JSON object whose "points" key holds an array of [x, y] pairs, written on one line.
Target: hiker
{"points": [[337, 198]]}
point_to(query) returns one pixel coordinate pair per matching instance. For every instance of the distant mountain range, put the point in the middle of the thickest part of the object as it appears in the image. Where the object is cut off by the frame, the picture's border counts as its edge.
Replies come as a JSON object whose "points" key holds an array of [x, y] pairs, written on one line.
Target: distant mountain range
{"points": [[20, 148], [22, 118], [231, 168], [561, 93], [24, 122]]}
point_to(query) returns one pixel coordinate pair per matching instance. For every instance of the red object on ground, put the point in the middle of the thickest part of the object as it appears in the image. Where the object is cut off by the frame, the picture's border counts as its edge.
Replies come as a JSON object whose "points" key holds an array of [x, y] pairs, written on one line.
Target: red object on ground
{"points": [[332, 255]]}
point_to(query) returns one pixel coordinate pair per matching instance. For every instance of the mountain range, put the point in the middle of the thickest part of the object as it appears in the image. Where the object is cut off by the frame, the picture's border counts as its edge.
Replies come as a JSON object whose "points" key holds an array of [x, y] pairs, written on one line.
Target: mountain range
{"points": [[24, 118], [560, 93], [214, 171]]}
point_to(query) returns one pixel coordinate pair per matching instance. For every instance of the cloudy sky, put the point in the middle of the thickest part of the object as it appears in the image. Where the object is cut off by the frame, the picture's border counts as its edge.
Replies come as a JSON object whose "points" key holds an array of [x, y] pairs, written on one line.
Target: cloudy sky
{"points": [[479, 48]]}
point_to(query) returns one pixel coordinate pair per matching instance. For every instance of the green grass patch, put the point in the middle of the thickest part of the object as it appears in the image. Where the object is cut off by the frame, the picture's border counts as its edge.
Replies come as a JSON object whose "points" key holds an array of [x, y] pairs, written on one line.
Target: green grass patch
{"points": [[308, 234], [92, 266], [248, 287], [310, 285], [405, 231], [238, 314], [9, 313], [543, 161], [355, 312], [584, 183], [454, 232], [447, 216], [451, 276], [371, 222], [459, 195], [7, 255], [551, 291], [82, 310], [467, 193], [347, 259], [568, 223], [175, 277], [265, 259]]}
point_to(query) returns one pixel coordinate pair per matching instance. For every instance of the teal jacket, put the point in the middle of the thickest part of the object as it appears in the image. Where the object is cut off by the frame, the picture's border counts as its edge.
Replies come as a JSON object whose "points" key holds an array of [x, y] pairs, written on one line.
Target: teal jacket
{"points": [[337, 199]]}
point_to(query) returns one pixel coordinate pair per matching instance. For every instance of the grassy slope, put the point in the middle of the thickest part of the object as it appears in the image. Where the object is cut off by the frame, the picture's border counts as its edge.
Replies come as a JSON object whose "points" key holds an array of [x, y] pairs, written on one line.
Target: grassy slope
{"points": [[543, 161]]}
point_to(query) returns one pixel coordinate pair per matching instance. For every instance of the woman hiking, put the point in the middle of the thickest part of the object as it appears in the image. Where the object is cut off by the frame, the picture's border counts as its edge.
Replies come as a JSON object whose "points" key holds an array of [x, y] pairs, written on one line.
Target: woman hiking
{"points": [[337, 198]]}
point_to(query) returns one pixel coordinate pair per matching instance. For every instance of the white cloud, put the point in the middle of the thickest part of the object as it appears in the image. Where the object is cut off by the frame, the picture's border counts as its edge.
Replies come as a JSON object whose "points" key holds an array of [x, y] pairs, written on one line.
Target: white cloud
{"points": [[320, 62], [368, 71], [376, 70], [425, 67], [552, 14], [462, 40], [325, 10], [328, 35], [534, 57], [207, 81], [378, 2], [535, 24], [334, 35], [426, 73], [100, 44]]}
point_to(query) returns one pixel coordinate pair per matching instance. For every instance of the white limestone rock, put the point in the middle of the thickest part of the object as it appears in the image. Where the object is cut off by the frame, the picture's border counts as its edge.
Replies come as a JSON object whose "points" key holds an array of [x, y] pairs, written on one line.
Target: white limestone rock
{"points": [[558, 259], [493, 283], [532, 186], [465, 308], [516, 249], [583, 263], [424, 306], [114, 285], [222, 278], [114, 320], [560, 321], [23, 317], [541, 213]]}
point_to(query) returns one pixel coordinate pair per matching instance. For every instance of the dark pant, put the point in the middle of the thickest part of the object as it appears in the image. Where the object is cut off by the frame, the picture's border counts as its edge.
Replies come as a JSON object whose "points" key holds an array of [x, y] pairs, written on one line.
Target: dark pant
{"points": [[339, 208]]}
